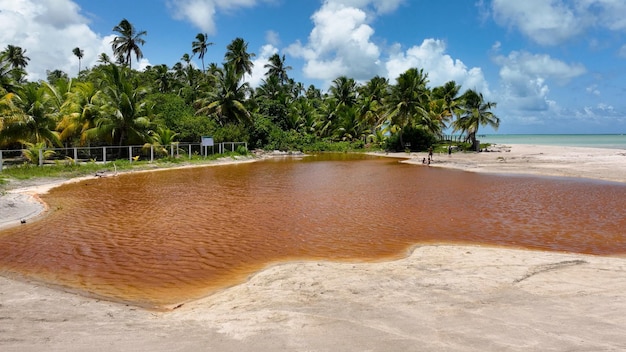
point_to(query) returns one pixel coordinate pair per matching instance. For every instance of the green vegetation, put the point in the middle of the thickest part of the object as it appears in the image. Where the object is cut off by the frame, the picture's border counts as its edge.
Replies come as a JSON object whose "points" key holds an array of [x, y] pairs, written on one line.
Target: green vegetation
{"points": [[113, 104]]}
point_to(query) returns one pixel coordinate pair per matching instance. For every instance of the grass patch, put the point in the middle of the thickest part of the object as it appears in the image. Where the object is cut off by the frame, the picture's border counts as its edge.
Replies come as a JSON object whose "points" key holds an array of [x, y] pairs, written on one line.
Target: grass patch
{"points": [[70, 170]]}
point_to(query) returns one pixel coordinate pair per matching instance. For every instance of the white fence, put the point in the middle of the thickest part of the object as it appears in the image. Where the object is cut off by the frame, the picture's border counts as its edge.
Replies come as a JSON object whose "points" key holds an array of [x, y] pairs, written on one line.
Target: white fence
{"points": [[132, 152]]}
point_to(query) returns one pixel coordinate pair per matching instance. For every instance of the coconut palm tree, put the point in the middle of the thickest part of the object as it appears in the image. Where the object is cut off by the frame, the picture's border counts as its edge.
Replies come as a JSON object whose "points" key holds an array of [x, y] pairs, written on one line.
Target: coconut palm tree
{"points": [[161, 139], [407, 99], [276, 67], [28, 117], [104, 59], [344, 89], [127, 42], [16, 56], [200, 46], [124, 117], [227, 104], [237, 55], [35, 153], [79, 112], [473, 113], [79, 54], [449, 94]]}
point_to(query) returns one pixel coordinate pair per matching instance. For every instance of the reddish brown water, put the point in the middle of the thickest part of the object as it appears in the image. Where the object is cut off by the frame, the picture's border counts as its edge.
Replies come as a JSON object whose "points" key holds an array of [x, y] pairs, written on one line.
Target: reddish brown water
{"points": [[158, 239]]}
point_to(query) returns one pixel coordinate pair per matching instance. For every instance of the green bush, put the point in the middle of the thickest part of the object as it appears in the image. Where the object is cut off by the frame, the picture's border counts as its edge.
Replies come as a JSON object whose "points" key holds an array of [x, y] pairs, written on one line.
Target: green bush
{"points": [[414, 139]]}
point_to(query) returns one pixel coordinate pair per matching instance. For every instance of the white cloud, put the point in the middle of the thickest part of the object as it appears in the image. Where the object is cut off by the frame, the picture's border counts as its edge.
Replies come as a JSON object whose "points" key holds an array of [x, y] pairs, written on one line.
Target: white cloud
{"points": [[524, 79], [339, 44], [593, 89], [546, 22], [201, 13], [441, 67], [381, 6], [552, 22], [258, 70], [48, 30]]}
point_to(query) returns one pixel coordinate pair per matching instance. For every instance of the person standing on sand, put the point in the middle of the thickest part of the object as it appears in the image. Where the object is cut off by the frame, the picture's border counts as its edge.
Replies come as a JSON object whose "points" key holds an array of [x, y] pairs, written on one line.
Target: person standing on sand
{"points": [[449, 150], [430, 153]]}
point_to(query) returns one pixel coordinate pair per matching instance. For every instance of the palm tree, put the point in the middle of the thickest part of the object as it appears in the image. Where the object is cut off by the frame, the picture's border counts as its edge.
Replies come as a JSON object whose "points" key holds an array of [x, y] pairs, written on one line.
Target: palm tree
{"points": [[7, 77], [200, 46], [28, 117], [35, 153], [124, 117], [127, 42], [237, 55], [104, 59], [228, 103], [344, 89], [473, 113], [79, 54], [15, 56], [407, 99], [79, 112], [449, 93], [160, 140], [276, 67]]}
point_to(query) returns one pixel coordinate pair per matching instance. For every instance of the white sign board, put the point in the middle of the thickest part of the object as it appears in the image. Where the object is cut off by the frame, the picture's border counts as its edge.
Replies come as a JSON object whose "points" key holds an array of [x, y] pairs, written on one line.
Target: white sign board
{"points": [[207, 141]]}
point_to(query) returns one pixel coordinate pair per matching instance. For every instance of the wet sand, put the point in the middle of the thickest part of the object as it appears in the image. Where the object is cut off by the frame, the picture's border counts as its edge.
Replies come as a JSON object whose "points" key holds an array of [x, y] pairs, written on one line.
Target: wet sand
{"points": [[441, 297]]}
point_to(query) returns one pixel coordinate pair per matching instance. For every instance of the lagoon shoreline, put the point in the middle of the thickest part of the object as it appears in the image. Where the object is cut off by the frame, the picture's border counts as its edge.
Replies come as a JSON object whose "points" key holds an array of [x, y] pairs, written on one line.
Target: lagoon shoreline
{"points": [[440, 297]]}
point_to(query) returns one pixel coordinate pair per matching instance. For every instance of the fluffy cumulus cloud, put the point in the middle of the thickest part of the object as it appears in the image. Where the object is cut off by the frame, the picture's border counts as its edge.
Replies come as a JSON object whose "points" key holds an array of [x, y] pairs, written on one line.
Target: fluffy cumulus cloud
{"points": [[201, 13], [441, 67], [48, 30], [552, 22], [525, 78], [339, 44]]}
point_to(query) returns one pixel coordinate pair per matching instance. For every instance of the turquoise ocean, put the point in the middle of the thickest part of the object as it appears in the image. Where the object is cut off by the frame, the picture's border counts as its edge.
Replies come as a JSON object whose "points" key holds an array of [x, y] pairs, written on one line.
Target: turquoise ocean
{"points": [[611, 141]]}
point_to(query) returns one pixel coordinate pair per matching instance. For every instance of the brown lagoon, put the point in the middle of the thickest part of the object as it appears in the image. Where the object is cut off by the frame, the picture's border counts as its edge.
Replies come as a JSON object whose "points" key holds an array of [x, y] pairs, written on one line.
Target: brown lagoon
{"points": [[159, 239]]}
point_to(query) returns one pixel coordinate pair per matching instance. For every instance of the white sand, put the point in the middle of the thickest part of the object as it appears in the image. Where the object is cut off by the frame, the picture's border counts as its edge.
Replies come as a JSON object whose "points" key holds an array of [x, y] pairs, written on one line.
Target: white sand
{"points": [[440, 298]]}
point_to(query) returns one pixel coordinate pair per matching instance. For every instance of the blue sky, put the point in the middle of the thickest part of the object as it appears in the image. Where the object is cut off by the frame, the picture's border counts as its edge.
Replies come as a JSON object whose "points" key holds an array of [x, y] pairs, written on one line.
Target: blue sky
{"points": [[552, 66]]}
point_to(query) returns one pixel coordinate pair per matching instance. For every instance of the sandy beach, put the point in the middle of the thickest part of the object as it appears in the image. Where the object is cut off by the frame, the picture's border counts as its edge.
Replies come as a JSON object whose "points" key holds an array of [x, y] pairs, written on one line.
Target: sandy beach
{"points": [[439, 298]]}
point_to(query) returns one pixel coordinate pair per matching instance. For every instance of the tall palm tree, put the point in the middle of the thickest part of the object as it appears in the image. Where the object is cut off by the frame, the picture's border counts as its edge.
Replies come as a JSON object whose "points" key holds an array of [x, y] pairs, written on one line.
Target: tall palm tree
{"points": [[79, 54], [276, 67], [228, 102], [200, 47], [127, 42], [475, 112], [237, 55], [16, 56], [407, 100]]}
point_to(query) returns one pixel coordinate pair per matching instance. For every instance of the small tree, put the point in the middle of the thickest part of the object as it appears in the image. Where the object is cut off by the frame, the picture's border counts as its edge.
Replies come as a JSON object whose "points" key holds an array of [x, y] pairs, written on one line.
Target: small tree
{"points": [[36, 152]]}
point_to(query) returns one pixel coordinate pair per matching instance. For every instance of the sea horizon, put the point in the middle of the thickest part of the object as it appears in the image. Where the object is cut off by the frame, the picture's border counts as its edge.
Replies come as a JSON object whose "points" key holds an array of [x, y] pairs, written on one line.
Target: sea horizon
{"points": [[609, 141]]}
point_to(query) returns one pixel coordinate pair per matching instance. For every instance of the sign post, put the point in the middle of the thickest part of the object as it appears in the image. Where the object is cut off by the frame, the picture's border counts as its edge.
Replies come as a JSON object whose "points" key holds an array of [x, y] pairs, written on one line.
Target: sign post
{"points": [[207, 141]]}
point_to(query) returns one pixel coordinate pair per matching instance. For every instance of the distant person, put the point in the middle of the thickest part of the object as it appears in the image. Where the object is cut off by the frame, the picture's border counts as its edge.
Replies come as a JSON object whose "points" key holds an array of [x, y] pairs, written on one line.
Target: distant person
{"points": [[430, 153], [449, 150], [424, 161]]}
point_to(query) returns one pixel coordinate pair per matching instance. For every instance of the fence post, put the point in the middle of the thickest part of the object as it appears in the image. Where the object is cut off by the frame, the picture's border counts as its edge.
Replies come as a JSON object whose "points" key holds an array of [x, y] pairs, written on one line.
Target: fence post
{"points": [[151, 153], [0, 160], [172, 150], [104, 155], [75, 155], [189, 151], [130, 153], [41, 157]]}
